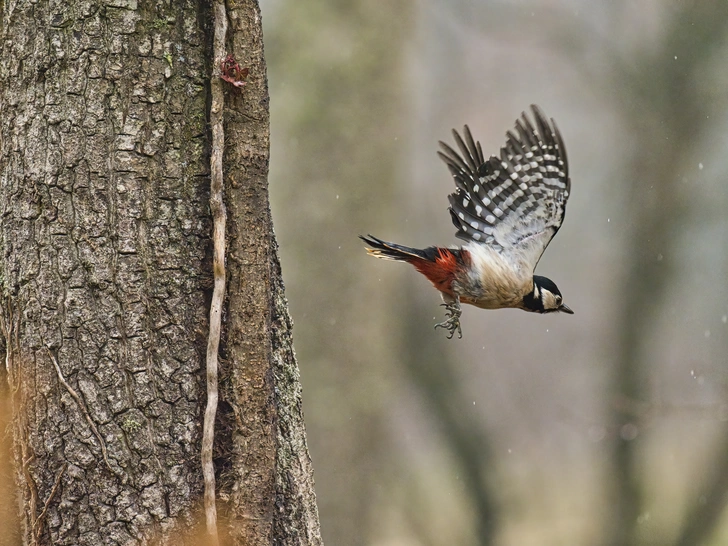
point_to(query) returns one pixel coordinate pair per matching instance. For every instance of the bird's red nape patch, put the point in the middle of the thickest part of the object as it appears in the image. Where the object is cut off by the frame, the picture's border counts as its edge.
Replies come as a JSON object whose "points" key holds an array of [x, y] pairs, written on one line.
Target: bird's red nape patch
{"points": [[443, 269]]}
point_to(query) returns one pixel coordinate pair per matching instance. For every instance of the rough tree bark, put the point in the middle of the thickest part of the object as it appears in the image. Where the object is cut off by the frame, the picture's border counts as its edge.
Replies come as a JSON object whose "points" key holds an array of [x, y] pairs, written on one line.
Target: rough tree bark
{"points": [[106, 275]]}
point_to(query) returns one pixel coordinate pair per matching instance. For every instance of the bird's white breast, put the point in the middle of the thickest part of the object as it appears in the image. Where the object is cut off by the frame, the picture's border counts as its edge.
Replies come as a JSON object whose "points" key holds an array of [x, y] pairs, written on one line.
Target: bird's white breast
{"points": [[493, 282]]}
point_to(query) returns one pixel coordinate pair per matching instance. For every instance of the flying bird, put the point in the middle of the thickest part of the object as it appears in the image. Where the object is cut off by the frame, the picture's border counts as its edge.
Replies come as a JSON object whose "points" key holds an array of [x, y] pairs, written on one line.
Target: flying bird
{"points": [[506, 209]]}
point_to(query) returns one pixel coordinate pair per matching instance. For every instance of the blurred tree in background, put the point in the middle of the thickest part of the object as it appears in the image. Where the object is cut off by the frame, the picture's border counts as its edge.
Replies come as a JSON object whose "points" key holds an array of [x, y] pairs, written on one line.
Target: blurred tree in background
{"points": [[608, 427], [341, 114]]}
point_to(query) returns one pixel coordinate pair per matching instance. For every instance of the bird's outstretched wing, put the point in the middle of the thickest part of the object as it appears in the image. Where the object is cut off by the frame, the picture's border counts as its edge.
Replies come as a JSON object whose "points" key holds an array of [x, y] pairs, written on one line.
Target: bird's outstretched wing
{"points": [[514, 203]]}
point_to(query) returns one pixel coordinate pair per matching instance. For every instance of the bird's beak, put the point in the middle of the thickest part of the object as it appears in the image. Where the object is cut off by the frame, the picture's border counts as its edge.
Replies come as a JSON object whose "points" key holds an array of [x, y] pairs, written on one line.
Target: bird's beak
{"points": [[564, 309]]}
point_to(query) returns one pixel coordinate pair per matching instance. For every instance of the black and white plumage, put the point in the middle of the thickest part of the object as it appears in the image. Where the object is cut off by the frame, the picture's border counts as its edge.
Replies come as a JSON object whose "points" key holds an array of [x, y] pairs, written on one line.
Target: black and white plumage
{"points": [[507, 209], [516, 203]]}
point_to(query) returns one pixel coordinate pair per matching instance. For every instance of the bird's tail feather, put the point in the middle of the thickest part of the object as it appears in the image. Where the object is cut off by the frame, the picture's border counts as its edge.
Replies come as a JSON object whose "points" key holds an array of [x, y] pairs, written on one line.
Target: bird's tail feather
{"points": [[439, 265], [392, 251]]}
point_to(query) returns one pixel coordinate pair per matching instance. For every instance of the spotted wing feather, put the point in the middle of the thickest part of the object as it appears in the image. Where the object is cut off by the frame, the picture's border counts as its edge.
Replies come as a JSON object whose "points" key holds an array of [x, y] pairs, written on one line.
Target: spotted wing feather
{"points": [[514, 203]]}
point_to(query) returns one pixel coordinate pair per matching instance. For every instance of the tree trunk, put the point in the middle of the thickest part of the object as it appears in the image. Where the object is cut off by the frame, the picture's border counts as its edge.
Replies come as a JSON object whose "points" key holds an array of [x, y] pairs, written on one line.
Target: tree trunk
{"points": [[106, 280]]}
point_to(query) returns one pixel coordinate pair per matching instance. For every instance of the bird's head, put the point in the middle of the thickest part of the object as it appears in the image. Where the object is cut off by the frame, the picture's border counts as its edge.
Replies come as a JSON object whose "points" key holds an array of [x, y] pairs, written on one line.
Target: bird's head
{"points": [[545, 297]]}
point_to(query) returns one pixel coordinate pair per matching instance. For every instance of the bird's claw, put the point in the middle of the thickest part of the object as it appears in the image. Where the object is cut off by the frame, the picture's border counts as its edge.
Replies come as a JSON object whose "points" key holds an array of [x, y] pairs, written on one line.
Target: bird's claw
{"points": [[452, 324]]}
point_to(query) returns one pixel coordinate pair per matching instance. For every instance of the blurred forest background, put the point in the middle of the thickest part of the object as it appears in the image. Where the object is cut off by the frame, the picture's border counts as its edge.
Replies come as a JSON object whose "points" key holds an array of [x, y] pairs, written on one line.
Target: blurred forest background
{"points": [[609, 427]]}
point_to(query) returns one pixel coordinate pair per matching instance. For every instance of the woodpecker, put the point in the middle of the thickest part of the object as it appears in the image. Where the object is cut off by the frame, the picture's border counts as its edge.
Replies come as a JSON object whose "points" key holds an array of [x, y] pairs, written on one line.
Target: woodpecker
{"points": [[506, 209]]}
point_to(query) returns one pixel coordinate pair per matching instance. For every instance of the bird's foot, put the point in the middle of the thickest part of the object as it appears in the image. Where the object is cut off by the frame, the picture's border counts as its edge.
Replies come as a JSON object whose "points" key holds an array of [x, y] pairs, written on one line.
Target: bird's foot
{"points": [[452, 324]]}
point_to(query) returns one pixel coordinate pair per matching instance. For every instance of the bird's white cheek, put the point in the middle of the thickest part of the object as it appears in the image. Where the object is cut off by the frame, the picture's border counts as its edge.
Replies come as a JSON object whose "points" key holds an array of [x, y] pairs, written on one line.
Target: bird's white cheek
{"points": [[548, 300]]}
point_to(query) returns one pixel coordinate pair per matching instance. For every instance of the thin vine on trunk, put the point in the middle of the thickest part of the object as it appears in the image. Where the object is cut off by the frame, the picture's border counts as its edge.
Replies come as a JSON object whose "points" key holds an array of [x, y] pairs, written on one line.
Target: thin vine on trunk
{"points": [[217, 207]]}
